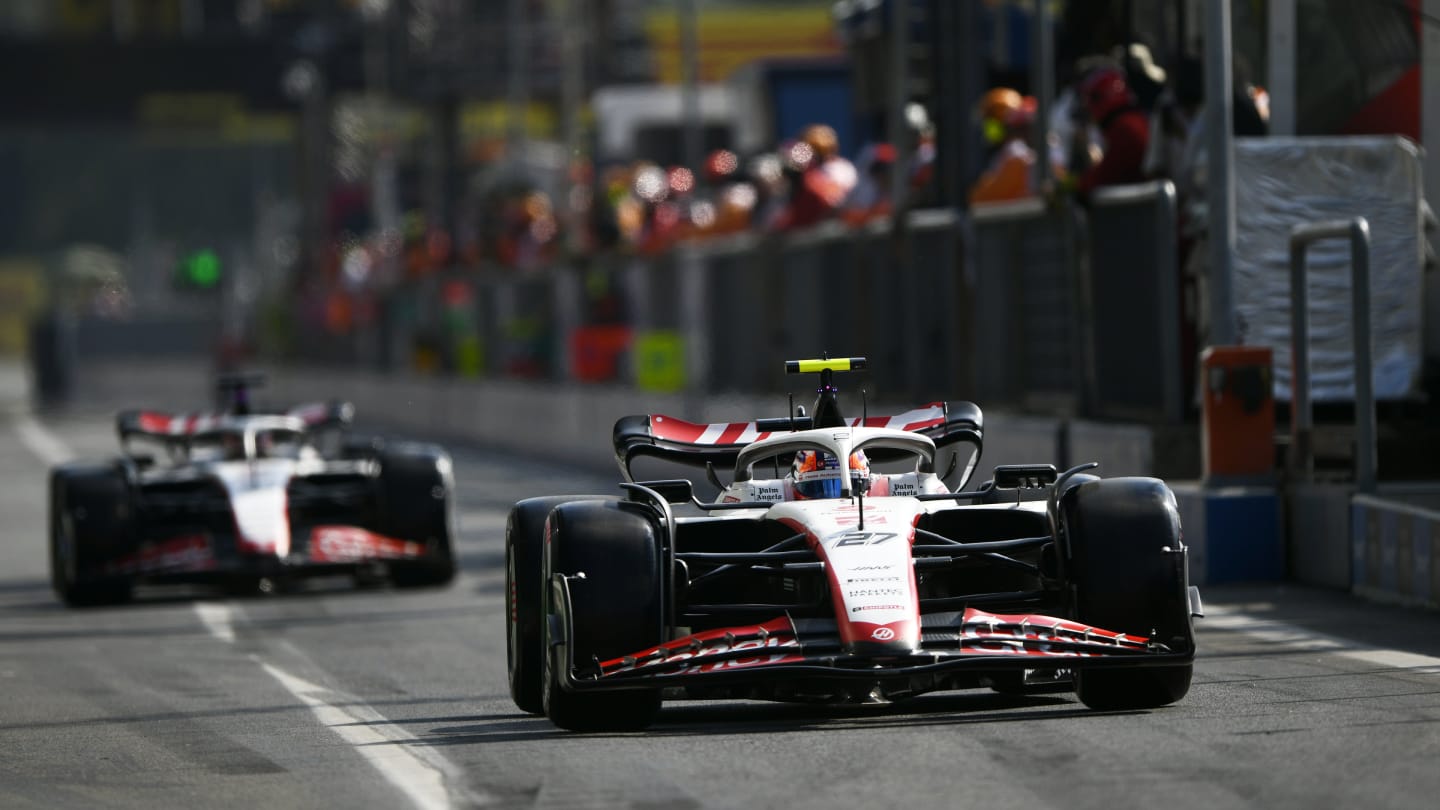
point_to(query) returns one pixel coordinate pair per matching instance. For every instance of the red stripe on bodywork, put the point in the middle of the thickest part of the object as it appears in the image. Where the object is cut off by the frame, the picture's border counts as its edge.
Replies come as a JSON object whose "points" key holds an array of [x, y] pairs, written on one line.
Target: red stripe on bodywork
{"points": [[354, 544], [155, 422], [675, 430], [1029, 634], [773, 643], [189, 552], [732, 433], [678, 430]]}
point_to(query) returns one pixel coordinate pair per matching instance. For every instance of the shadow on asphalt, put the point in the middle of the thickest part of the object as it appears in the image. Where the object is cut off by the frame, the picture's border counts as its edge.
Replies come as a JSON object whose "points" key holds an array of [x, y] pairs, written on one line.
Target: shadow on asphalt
{"points": [[711, 719], [160, 717]]}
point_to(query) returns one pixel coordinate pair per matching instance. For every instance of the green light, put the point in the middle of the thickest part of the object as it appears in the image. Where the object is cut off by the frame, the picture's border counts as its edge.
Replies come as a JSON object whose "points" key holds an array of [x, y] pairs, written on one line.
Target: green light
{"points": [[202, 268]]}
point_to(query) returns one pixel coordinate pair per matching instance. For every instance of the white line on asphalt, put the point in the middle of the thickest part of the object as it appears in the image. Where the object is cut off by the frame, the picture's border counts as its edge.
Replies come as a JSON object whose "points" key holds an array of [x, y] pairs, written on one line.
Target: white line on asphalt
{"points": [[41, 441], [383, 744], [1303, 640], [359, 725], [423, 784], [216, 618]]}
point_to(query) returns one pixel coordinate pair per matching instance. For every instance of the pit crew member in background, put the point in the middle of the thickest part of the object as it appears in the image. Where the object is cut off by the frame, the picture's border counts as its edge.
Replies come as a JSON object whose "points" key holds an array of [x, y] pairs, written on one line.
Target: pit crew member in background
{"points": [[1122, 123], [1007, 120]]}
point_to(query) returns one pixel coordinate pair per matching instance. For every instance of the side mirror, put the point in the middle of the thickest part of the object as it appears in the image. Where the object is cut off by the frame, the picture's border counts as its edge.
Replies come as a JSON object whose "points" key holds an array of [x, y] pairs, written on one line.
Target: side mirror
{"points": [[1024, 476], [678, 490]]}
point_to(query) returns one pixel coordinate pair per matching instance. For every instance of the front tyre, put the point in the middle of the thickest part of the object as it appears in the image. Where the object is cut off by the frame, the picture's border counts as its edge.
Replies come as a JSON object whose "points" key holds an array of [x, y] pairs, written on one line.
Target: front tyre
{"points": [[615, 608], [416, 487], [525, 611], [1127, 567], [91, 522]]}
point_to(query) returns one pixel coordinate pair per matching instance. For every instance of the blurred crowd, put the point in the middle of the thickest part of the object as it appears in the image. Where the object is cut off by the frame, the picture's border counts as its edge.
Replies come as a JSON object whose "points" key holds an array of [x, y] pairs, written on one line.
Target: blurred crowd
{"points": [[645, 208], [1118, 118], [1122, 118]]}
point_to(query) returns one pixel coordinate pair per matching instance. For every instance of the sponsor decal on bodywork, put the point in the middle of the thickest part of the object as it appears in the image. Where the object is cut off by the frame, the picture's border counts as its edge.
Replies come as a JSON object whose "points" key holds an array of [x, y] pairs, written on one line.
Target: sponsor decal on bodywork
{"points": [[336, 544], [773, 642], [1034, 634], [956, 636], [189, 552]]}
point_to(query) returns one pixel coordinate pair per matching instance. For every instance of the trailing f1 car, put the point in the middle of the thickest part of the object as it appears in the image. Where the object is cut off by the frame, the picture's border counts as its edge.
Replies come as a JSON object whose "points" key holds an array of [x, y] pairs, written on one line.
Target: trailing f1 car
{"points": [[859, 576], [236, 498]]}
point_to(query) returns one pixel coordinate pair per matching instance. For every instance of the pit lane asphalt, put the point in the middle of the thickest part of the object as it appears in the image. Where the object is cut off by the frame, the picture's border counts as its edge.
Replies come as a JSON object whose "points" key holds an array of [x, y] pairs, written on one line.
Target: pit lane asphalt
{"points": [[1302, 698]]}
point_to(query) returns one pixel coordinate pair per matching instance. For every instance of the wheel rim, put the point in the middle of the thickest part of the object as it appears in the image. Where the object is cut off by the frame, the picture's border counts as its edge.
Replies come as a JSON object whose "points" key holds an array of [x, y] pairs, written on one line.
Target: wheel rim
{"points": [[65, 543], [547, 670]]}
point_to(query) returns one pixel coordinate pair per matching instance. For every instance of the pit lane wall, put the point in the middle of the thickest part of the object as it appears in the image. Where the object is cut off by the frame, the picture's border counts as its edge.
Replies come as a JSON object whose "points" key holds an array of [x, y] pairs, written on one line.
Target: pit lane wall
{"points": [[1395, 546]]}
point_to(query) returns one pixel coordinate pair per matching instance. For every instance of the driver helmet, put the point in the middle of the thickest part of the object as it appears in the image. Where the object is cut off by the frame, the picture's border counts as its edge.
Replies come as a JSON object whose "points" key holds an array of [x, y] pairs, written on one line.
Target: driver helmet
{"points": [[817, 474]]}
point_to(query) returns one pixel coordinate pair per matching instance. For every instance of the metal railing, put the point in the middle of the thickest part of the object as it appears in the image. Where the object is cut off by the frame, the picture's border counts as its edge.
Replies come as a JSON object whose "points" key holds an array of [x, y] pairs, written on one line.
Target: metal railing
{"points": [[1135, 315], [1007, 326], [1027, 323], [1302, 417], [1017, 323]]}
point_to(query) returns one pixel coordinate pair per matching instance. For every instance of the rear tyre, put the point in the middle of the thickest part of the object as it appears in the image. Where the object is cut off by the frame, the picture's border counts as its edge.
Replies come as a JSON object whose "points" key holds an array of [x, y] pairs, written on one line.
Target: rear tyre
{"points": [[524, 559], [91, 521], [1127, 567], [616, 609], [416, 482]]}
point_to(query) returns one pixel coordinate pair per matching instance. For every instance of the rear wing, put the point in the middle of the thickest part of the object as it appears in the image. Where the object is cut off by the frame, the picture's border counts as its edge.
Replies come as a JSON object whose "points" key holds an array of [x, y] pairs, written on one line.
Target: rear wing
{"points": [[181, 426], [720, 443], [167, 426]]}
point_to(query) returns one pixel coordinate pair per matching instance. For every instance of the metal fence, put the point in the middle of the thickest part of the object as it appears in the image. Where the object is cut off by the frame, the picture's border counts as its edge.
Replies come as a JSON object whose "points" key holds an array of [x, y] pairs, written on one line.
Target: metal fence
{"points": [[1078, 310], [1000, 308], [1135, 315], [1027, 325], [711, 317]]}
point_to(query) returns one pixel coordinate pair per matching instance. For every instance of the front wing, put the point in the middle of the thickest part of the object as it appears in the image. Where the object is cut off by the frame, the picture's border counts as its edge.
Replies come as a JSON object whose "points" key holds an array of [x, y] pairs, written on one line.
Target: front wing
{"points": [[811, 648], [319, 549]]}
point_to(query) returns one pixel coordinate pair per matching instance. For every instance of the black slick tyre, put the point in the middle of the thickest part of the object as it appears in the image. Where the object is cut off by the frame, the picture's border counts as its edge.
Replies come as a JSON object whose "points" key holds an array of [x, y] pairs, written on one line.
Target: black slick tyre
{"points": [[616, 608], [1127, 569], [91, 521], [416, 485], [524, 558]]}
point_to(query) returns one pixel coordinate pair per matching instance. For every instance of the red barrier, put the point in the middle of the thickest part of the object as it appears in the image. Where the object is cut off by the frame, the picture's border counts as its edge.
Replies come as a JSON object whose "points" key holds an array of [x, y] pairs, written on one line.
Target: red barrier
{"points": [[596, 352]]}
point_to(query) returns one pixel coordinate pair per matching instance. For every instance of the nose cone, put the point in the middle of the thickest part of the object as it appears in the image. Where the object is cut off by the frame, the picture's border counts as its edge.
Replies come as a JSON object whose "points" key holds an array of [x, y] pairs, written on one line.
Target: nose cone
{"points": [[865, 638], [869, 567]]}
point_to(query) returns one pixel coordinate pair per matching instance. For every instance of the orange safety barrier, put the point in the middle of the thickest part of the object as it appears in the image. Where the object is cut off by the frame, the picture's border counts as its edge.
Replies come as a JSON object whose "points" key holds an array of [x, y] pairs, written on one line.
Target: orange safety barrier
{"points": [[1237, 426]]}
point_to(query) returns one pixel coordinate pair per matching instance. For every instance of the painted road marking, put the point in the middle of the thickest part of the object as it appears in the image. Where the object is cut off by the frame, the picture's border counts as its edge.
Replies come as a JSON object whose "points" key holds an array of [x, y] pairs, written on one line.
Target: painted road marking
{"points": [[423, 784], [40, 441], [356, 724], [378, 739], [216, 618]]}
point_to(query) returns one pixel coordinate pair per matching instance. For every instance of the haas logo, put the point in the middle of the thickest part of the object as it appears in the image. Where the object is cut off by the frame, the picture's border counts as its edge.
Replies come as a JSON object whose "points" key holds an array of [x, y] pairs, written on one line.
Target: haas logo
{"points": [[883, 634]]}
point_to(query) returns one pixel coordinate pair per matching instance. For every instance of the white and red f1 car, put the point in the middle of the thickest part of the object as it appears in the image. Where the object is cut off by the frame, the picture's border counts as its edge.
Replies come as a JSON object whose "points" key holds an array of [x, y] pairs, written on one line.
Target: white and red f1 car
{"points": [[897, 586], [237, 499]]}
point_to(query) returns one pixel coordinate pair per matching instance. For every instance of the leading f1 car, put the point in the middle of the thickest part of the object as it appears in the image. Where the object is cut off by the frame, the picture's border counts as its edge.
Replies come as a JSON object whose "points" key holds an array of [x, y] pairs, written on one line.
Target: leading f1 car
{"points": [[837, 565], [238, 499]]}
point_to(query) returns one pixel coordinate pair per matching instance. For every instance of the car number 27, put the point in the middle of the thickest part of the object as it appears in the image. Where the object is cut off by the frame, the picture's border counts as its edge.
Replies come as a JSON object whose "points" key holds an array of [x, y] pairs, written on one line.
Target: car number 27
{"points": [[862, 539]]}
